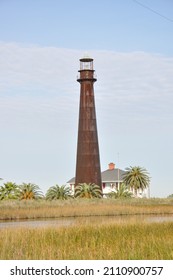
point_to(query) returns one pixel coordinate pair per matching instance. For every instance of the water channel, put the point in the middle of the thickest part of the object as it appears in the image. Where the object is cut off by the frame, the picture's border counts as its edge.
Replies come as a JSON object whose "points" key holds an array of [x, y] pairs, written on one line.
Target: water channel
{"points": [[71, 221]]}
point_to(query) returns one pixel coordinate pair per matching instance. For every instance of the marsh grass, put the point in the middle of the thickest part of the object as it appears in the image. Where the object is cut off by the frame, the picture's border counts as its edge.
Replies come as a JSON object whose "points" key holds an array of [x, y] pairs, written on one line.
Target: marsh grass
{"points": [[10, 210], [102, 239], [126, 241]]}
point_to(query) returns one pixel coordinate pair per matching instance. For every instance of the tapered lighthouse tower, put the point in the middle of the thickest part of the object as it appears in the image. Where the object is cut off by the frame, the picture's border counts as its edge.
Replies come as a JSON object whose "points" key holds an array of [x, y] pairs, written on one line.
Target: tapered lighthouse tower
{"points": [[88, 159]]}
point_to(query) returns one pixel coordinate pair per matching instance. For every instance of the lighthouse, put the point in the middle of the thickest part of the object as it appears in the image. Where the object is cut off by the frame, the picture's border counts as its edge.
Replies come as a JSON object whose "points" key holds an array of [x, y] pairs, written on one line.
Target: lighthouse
{"points": [[88, 158]]}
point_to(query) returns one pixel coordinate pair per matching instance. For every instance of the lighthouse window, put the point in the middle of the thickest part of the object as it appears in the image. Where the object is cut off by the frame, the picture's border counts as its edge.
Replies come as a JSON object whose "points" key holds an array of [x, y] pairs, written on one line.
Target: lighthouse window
{"points": [[86, 65]]}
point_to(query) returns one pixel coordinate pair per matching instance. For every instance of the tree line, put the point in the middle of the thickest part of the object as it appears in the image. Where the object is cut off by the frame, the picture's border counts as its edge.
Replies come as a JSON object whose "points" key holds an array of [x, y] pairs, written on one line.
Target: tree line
{"points": [[134, 178]]}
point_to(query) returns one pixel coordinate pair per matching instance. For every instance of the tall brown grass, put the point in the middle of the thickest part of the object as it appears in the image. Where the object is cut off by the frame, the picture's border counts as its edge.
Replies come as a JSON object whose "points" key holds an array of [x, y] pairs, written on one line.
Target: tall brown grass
{"points": [[80, 207], [128, 241]]}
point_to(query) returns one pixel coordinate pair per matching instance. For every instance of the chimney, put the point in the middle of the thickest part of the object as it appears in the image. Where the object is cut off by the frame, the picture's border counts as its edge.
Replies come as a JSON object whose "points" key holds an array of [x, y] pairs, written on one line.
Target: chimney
{"points": [[111, 166]]}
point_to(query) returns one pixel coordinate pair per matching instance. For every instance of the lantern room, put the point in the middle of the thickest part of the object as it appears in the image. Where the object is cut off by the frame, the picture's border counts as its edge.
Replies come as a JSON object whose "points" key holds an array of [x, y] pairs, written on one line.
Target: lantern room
{"points": [[86, 63]]}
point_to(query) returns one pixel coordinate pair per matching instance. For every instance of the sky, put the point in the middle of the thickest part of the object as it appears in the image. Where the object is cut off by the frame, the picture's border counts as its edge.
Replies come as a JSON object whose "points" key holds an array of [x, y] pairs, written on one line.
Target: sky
{"points": [[41, 42]]}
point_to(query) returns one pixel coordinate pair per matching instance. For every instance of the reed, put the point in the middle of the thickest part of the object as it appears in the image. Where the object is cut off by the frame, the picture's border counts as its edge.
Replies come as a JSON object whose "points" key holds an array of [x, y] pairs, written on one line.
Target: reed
{"points": [[105, 241], [10, 210]]}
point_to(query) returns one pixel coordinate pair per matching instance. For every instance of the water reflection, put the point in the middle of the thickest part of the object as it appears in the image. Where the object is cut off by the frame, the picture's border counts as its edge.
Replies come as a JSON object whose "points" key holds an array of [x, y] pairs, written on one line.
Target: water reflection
{"points": [[66, 222], [37, 223]]}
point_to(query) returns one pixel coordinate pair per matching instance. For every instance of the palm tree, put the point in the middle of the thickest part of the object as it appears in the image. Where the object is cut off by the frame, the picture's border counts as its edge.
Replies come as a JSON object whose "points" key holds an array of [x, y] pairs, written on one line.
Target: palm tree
{"points": [[136, 178], [58, 192], [88, 191], [122, 192], [30, 191], [9, 190]]}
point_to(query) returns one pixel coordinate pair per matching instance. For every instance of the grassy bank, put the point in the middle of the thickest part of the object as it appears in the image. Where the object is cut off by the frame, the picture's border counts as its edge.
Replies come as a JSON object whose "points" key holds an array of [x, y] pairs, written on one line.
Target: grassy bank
{"points": [[104, 241], [96, 240], [10, 210]]}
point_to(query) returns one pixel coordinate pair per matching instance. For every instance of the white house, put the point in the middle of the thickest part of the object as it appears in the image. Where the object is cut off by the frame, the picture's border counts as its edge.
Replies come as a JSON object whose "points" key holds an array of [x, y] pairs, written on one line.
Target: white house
{"points": [[112, 178]]}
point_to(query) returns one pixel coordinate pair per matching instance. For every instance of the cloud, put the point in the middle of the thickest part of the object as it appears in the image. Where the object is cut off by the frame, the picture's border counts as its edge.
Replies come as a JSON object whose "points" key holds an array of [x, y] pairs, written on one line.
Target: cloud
{"points": [[137, 80], [41, 82], [33, 66]]}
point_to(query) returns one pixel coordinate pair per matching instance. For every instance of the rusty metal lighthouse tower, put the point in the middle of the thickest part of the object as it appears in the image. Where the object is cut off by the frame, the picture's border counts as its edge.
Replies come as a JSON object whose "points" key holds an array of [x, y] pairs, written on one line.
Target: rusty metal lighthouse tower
{"points": [[88, 158]]}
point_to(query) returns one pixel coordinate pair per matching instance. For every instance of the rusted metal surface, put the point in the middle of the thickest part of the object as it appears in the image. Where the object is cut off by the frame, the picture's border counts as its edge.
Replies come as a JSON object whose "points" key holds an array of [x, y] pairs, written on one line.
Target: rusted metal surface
{"points": [[88, 159]]}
